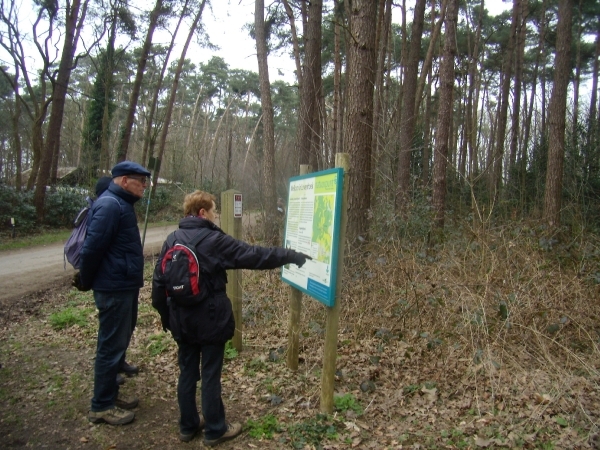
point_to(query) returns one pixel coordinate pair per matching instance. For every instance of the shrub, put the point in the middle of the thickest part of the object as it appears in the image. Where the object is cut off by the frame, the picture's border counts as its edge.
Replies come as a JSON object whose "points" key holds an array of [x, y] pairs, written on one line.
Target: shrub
{"points": [[18, 205], [165, 204], [62, 206]]}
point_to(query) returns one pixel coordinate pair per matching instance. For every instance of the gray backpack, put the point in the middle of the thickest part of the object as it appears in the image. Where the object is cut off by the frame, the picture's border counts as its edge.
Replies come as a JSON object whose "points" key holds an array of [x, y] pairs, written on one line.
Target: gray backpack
{"points": [[74, 244]]}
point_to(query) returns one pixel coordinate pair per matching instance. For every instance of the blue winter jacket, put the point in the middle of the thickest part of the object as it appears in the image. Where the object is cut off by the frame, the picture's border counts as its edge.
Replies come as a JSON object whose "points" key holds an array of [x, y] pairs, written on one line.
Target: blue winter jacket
{"points": [[112, 257]]}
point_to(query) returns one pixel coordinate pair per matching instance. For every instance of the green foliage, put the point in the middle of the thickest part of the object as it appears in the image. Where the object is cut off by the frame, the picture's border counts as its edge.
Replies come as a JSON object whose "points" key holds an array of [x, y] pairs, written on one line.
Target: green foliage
{"points": [[101, 107], [68, 317], [165, 204], [158, 344], [312, 432], [416, 227], [255, 365], [264, 427], [78, 298], [18, 205], [411, 389], [230, 351], [347, 402], [62, 205]]}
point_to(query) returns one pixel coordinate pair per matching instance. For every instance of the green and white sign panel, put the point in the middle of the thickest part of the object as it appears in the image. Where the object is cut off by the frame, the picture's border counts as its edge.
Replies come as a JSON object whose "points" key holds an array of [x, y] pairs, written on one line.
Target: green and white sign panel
{"points": [[312, 227]]}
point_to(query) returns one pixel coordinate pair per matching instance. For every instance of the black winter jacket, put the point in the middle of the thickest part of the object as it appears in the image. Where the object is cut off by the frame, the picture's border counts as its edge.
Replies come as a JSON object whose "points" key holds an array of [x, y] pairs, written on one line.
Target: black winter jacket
{"points": [[212, 321], [112, 258]]}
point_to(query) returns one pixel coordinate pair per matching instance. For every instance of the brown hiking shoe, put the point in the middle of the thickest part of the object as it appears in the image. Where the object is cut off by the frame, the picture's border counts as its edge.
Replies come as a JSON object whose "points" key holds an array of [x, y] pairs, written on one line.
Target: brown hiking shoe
{"points": [[233, 429], [126, 402], [187, 437], [112, 416]]}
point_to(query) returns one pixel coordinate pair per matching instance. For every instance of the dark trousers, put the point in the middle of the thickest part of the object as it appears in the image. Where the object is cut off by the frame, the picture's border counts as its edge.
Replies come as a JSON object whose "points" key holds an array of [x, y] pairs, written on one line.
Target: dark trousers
{"points": [[116, 313], [133, 324], [212, 404]]}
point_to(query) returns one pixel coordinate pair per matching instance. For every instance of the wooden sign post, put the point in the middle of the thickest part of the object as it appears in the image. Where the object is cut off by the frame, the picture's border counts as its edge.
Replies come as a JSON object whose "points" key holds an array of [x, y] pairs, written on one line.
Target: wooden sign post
{"points": [[231, 223], [333, 313], [316, 225]]}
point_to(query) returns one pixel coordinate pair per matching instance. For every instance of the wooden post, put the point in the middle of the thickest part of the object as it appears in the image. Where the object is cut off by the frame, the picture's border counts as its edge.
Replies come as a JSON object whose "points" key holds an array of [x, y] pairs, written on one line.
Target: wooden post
{"points": [[295, 310], [333, 313], [233, 226]]}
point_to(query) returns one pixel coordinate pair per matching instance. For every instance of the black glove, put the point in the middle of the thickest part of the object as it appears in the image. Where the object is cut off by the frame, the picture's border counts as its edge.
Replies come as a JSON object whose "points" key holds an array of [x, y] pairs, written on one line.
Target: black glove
{"points": [[76, 282], [297, 258]]}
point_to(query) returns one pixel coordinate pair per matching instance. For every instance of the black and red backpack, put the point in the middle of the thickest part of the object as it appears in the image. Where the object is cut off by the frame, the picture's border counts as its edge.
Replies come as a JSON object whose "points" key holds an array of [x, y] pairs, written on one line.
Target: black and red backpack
{"points": [[182, 273]]}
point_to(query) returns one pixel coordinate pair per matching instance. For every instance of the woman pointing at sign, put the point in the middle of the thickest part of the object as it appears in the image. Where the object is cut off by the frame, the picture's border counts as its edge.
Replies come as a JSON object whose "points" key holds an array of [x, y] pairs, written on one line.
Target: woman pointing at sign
{"points": [[203, 325]]}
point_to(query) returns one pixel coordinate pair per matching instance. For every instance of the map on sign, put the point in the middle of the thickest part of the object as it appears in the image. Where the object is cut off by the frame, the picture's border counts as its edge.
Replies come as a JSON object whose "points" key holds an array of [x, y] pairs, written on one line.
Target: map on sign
{"points": [[312, 227]]}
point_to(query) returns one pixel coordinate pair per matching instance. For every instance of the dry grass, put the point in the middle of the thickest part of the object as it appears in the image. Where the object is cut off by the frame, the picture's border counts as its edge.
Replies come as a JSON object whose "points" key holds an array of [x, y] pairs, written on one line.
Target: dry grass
{"points": [[507, 319]]}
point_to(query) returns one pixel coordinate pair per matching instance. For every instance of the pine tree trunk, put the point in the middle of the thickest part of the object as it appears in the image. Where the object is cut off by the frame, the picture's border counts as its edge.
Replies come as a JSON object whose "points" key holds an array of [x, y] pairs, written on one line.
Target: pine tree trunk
{"points": [[556, 115], [137, 84], [516, 109], [407, 124], [73, 23], [359, 114], [270, 197], [495, 175], [172, 95], [444, 117]]}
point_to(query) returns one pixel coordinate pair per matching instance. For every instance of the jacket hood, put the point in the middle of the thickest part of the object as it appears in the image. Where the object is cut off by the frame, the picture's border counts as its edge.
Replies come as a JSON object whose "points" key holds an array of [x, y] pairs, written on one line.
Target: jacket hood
{"points": [[191, 222]]}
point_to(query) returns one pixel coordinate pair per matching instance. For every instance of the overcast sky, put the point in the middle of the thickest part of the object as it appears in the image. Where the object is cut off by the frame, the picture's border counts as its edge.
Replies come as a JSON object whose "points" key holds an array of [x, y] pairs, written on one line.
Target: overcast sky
{"points": [[225, 23], [225, 27]]}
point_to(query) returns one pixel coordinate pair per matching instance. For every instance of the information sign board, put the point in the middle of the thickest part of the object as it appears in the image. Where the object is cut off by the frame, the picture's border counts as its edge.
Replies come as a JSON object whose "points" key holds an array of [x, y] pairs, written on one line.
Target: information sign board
{"points": [[237, 205], [312, 227]]}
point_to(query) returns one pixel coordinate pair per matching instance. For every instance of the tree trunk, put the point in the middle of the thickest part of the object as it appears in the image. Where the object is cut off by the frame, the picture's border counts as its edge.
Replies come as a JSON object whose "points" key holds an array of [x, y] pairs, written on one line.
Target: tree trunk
{"points": [[556, 115], [137, 84], [150, 134], [520, 46], [337, 75], [407, 125], [444, 121], [383, 14], [36, 105], [73, 24], [309, 121], [269, 195], [495, 174], [472, 102], [577, 79], [172, 95], [16, 134], [429, 57], [593, 128], [109, 76], [359, 113], [295, 43]]}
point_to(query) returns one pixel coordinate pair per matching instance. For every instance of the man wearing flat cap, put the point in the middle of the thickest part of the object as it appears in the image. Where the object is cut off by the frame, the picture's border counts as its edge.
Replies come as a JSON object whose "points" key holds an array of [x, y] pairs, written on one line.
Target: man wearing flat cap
{"points": [[112, 264]]}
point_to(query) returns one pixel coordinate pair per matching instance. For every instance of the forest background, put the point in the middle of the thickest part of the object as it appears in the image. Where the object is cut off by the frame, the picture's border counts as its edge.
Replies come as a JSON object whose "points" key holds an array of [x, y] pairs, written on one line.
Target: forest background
{"points": [[472, 277], [450, 110]]}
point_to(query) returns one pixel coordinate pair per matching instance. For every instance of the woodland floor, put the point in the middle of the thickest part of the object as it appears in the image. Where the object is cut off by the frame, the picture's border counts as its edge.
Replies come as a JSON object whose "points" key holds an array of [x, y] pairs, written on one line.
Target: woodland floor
{"points": [[433, 352]]}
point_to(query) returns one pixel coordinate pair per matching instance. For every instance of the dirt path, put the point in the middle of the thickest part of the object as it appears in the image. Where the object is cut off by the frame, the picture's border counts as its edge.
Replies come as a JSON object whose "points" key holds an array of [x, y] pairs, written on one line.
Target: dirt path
{"points": [[34, 269], [28, 270]]}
